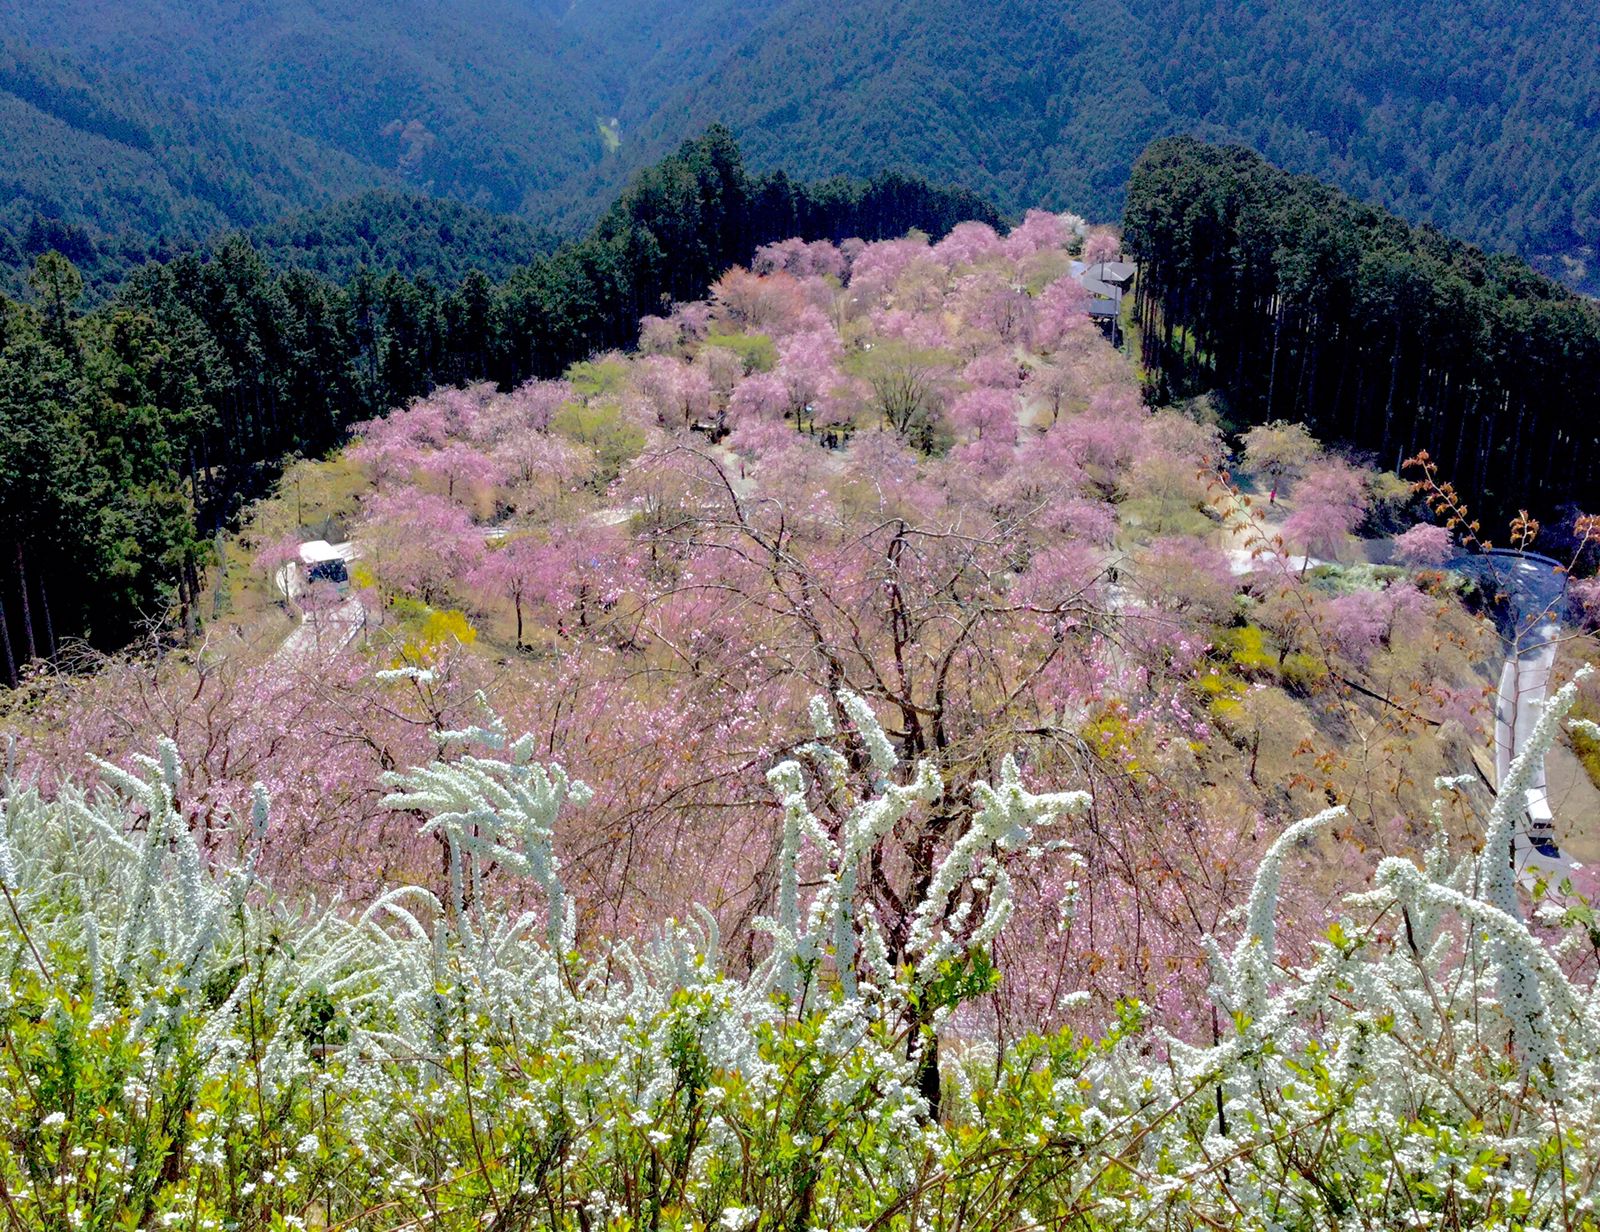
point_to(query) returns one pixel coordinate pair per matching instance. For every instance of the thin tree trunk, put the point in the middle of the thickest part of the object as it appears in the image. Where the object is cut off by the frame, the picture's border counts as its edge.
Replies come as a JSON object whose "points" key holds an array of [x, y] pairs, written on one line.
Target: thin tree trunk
{"points": [[5, 646], [191, 612], [185, 608], [49, 624], [1394, 380], [1272, 378], [27, 610]]}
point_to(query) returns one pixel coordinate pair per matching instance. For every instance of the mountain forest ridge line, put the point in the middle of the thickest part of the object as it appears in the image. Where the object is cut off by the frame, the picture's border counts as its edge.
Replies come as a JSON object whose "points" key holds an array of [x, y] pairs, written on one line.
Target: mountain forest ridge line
{"points": [[1437, 110]]}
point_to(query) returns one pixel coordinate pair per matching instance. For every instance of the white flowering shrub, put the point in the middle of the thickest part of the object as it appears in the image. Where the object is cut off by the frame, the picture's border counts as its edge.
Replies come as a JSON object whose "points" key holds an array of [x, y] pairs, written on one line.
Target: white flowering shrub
{"points": [[180, 1048]]}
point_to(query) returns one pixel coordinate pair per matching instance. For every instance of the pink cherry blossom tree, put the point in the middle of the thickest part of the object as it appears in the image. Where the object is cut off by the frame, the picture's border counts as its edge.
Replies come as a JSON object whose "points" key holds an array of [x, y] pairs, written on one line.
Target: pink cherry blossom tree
{"points": [[744, 301], [1329, 503], [419, 543], [515, 569], [808, 366], [879, 266], [386, 458], [1041, 231], [1102, 244], [994, 370], [658, 336], [1061, 311], [759, 396], [968, 243], [461, 468], [1424, 546], [680, 393], [986, 414]]}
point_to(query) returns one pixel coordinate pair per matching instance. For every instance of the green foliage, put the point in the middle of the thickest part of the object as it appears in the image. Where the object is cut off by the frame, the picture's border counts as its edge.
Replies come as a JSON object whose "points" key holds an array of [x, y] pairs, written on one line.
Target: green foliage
{"points": [[601, 426], [421, 631], [1325, 313], [757, 352], [1223, 691], [956, 981], [1111, 734], [111, 173], [1247, 648], [1303, 673], [597, 378], [405, 233], [909, 385], [1587, 747], [1346, 579]]}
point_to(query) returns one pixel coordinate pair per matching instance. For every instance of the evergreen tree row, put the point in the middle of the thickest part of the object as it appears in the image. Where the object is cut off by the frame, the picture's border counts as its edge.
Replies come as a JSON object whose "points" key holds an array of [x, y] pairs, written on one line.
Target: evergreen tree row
{"points": [[1292, 300], [131, 434]]}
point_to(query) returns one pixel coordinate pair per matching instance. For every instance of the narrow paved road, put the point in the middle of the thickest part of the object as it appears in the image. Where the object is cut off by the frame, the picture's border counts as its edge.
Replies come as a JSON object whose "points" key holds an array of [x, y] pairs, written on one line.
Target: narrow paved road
{"points": [[323, 633], [1524, 681], [1530, 629]]}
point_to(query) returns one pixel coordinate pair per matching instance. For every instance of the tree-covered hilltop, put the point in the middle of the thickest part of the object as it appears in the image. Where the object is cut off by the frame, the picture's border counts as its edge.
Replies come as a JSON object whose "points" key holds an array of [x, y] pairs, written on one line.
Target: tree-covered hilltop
{"points": [[130, 433], [482, 100], [1296, 301], [380, 231], [1478, 117]]}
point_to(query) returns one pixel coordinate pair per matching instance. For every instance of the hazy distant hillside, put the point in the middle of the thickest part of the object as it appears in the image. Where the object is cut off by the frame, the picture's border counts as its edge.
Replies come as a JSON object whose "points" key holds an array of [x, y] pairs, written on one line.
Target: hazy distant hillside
{"points": [[475, 99], [1481, 116], [89, 155]]}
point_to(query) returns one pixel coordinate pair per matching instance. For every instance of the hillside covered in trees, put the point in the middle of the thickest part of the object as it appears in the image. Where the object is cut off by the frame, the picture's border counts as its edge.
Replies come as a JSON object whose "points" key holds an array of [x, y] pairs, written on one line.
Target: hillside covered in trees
{"points": [[845, 761], [111, 171], [1477, 117], [1295, 301], [130, 434]]}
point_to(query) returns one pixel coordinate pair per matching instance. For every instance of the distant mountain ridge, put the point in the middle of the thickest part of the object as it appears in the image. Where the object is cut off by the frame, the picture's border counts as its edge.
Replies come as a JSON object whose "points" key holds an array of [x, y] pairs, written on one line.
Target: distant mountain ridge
{"points": [[1480, 116]]}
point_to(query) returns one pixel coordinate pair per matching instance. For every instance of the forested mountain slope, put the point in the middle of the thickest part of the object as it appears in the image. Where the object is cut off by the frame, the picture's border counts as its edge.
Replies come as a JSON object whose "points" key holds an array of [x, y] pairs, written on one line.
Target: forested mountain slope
{"points": [[407, 233], [131, 432], [102, 169], [1481, 117], [473, 98], [1289, 299]]}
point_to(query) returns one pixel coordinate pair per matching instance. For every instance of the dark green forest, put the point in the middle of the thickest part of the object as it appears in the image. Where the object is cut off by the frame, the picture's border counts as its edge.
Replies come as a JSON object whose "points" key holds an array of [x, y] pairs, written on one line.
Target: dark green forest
{"points": [[1292, 300], [131, 433], [405, 233], [110, 173], [1479, 116]]}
